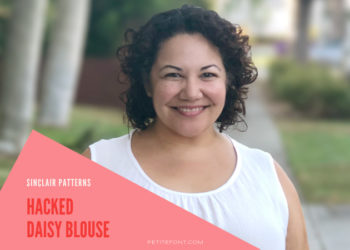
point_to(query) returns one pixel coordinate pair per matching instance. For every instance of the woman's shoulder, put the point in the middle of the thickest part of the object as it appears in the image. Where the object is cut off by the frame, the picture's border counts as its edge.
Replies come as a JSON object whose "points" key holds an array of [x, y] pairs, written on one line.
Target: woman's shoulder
{"points": [[106, 145], [251, 154], [296, 235], [112, 141]]}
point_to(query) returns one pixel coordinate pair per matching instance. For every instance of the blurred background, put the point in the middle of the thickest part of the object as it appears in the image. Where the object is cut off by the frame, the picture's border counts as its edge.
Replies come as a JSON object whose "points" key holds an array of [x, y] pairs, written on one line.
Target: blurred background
{"points": [[58, 75]]}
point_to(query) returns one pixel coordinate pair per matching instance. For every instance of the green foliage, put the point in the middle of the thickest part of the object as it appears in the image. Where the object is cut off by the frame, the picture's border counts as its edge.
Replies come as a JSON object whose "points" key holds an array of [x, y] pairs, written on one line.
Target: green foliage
{"points": [[311, 88], [110, 18]]}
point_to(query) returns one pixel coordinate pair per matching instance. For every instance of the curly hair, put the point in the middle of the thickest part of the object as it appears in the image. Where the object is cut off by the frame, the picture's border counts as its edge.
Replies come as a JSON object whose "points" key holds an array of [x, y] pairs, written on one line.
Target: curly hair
{"points": [[140, 51]]}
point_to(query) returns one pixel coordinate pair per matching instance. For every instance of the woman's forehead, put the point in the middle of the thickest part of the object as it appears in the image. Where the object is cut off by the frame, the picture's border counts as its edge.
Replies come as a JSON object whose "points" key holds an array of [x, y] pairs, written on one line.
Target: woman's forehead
{"points": [[188, 49]]}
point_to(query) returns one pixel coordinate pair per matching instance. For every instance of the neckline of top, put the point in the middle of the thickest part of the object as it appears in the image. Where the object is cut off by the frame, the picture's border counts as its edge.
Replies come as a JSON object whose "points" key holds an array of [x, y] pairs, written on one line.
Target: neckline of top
{"points": [[229, 182]]}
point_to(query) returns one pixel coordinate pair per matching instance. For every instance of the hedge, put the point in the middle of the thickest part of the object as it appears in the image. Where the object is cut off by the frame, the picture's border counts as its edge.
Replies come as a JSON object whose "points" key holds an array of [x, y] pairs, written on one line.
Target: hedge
{"points": [[311, 88]]}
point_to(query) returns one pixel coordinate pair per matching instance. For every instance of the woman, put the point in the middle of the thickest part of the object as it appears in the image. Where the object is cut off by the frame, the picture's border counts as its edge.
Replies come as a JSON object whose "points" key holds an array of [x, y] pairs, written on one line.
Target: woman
{"points": [[188, 70]]}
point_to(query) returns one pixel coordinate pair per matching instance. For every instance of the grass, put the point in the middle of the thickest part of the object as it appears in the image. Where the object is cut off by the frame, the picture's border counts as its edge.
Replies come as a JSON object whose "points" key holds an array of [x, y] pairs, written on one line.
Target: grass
{"points": [[88, 124], [319, 154]]}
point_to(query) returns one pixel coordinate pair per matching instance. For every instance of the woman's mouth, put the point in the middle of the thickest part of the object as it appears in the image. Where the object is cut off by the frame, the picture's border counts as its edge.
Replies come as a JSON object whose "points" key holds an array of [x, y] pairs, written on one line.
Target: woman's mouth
{"points": [[190, 111]]}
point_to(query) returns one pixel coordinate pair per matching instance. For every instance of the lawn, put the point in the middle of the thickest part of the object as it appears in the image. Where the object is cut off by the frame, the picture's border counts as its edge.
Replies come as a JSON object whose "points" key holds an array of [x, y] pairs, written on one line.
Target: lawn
{"points": [[88, 124], [319, 154]]}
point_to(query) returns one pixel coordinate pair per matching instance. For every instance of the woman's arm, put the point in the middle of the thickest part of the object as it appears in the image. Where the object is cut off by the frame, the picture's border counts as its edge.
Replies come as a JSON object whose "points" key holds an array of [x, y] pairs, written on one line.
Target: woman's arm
{"points": [[87, 153], [296, 234]]}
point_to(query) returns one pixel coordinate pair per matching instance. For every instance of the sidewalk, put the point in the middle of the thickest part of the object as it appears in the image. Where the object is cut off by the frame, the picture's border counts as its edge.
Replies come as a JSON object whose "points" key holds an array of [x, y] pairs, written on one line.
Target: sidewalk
{"points": [[327, 227]]}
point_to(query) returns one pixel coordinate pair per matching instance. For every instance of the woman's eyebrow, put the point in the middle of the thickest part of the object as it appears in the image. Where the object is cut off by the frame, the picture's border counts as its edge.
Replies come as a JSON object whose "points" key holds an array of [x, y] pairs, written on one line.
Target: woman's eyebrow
{"points": [[211, 65], [179, 69], [170, 66]]}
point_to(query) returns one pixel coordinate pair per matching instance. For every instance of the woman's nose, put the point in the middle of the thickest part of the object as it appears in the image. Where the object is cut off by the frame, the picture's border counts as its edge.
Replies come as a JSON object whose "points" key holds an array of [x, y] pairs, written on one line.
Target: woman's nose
{"points": [[191, 89]]}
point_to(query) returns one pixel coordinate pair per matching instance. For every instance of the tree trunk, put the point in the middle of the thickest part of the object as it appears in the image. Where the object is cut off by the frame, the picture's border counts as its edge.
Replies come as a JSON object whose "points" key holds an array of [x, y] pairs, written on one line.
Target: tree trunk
{"points": [[22, 54], [337, 14], [63, 62], [346, 48], [301, 45]]}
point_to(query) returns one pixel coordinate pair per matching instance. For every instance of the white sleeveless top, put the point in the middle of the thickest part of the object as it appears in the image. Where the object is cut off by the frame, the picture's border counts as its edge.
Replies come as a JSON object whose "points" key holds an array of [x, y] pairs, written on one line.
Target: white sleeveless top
{"points": [[251, 205]]}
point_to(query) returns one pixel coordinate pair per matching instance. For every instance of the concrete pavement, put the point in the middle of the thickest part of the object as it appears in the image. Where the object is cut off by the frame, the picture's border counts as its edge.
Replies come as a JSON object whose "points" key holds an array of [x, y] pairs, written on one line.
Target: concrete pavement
{"points": [[327, 227]]}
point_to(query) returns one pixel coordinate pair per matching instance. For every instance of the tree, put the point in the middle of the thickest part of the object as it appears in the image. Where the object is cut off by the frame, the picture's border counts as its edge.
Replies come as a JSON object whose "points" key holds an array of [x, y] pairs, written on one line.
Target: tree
{"points": [[63, 63], [337, 14], [346, 42], [301, 45], [22, 53], [110, 18]]}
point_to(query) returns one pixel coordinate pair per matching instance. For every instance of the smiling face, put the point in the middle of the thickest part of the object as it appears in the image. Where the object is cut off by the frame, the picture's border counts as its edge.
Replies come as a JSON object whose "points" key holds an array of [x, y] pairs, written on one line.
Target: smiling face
{"points": [[188, 85]]}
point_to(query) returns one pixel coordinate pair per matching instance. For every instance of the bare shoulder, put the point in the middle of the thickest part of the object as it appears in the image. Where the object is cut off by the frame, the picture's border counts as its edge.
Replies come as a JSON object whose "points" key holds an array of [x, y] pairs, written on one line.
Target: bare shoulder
{"points": [[87, 153], [296, 234]]}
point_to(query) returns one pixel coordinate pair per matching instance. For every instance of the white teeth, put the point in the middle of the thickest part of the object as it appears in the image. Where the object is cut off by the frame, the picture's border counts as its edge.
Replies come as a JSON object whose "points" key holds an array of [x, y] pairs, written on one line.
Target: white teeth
{"points": [[190, 109]]}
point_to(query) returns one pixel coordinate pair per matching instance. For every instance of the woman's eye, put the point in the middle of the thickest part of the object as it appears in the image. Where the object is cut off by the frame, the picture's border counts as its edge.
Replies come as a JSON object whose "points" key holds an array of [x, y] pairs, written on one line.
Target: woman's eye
{"points": [[173, 75], [208, 75]]}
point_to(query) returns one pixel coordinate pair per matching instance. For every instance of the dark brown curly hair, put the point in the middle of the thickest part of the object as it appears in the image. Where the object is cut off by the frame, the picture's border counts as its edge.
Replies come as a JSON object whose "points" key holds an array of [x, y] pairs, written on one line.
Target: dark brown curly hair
{"points": [[140, 51]]}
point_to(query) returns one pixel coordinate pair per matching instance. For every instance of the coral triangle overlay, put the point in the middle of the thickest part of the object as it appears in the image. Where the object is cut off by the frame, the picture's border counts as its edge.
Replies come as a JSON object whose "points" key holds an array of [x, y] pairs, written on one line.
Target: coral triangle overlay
{"points": [[55, 198]]}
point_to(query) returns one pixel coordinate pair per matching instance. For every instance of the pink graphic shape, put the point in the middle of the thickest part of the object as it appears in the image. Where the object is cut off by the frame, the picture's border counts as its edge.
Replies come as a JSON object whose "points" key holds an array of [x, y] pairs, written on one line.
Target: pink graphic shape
{"points": [[137, 217]]}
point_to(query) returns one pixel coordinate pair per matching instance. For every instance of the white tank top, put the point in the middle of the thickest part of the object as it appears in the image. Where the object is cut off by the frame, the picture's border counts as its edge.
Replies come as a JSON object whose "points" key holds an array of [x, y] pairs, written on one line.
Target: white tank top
{"points": [[251, 205]]}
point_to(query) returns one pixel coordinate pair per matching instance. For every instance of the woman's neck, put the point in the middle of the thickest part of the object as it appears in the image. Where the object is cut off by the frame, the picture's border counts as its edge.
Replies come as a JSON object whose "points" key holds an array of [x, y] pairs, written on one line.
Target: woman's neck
{"points": [[166, 138]]}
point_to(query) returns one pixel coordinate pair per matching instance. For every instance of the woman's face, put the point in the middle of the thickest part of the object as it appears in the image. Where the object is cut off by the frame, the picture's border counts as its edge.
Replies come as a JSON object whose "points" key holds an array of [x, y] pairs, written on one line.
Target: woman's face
{"points": [[188, 85]]}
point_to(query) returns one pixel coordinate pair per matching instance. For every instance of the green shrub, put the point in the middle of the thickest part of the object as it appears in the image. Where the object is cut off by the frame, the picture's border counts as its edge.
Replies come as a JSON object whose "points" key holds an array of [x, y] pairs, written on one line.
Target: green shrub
{"points": [[311, 88]]}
